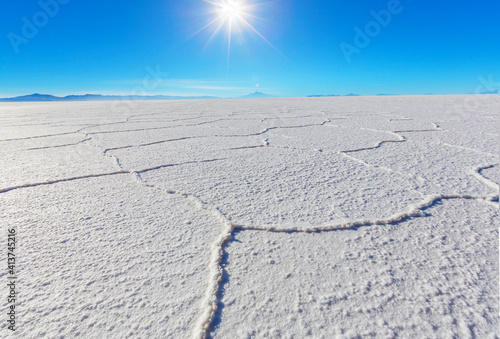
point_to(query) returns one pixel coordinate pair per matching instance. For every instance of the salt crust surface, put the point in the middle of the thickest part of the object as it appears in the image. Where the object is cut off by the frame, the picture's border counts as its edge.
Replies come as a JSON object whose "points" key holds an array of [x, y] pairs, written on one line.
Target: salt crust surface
{"points": [[266, 218]]}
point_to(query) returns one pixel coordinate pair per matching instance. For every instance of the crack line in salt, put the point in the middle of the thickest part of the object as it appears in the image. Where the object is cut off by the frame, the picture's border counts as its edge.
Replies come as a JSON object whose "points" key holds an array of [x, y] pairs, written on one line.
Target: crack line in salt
{"points": [[477, 173], [58, 146], [4, 190]]}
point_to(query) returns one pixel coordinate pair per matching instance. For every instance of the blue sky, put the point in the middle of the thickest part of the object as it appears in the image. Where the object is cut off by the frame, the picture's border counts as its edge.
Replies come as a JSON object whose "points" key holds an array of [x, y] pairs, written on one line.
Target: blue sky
{"points": [[111, 47]]}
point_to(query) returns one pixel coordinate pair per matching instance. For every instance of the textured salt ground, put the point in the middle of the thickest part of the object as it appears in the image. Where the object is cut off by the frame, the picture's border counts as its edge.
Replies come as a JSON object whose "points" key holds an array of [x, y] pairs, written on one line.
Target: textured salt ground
{"points": [[38, 119], [180, 151], [38, 143], [443, 169], [471, 127], [149, 137], [481, 143], [174, 120], [51, 164], [258, 123], [301, 118], [144, 133], [431, 277], [289, 188], [383, 122], [330, 138], [107, 257], [492, 173], [239, 175]]}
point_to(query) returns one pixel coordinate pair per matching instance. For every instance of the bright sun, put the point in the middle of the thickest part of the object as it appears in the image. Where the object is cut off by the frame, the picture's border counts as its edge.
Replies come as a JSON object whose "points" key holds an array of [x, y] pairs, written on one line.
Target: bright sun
{"points": [[233, 16], [231, 10]]}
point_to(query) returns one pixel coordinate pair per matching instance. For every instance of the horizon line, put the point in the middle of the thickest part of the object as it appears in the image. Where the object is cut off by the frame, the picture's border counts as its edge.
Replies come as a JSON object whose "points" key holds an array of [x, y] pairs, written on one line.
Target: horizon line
{"points": [[208, 97]]}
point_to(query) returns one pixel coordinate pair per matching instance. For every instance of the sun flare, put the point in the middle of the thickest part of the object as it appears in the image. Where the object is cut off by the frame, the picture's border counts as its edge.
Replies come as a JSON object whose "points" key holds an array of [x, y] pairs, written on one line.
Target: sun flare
{"points": [[231, 10], [233, 16]]}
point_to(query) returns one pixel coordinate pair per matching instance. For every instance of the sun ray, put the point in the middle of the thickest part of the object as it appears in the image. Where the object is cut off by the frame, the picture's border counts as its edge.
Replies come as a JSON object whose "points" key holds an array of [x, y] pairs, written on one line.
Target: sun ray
{"points": [[257, 32], [234, 15], [211, 23], [217, 30], [229, 41]]}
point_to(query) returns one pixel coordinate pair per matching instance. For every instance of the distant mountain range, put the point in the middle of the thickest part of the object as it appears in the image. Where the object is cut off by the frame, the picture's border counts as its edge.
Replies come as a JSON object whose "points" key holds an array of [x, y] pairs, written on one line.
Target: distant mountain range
{"points": [[99, 97], [491, 92], [96, 97]]}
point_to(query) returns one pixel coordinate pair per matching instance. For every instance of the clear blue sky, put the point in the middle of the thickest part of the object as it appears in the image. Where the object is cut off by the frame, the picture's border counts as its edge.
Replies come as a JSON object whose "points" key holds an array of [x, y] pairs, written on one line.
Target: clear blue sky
{"points": [[108, 46]]}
